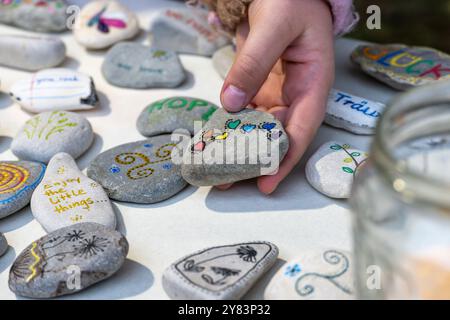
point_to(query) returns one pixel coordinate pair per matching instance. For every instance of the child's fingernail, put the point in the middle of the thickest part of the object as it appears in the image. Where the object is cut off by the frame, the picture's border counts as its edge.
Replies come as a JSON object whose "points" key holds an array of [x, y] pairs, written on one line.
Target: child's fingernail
{"points": [[233, 99]]}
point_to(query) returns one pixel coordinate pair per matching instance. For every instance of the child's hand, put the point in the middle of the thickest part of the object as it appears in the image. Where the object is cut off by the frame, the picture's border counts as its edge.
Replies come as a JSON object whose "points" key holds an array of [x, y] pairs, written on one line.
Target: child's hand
{"points": [[285, 66]]}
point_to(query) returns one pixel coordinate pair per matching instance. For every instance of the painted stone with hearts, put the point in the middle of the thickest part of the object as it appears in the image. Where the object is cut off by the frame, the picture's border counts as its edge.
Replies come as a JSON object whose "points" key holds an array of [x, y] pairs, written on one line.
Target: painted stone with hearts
{"points": [[139, 172], [322, 274], [170, 114], [50, 133], [332, 169], [67, 261], [235, 147], [223, 60], [66, 197], [102, 23], [18, 179], [403, 67], [219, 273], [3, 244]]}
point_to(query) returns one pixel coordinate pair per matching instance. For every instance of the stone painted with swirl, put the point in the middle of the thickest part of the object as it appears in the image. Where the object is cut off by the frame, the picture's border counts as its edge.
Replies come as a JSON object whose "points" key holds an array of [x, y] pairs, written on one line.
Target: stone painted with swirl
{"points": [[18, 179], [139, 172], [320, 274], [67, 261], [219, 273]]}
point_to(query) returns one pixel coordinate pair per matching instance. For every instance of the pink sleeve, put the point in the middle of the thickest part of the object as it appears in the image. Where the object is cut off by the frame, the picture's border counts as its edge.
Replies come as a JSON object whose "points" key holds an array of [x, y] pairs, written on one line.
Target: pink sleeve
{"points": [[345, 17]]}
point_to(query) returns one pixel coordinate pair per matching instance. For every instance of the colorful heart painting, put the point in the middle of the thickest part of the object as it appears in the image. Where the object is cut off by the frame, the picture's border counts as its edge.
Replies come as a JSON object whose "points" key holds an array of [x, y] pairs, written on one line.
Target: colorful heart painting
{"points": [[233, 124], [268, 126], [247, 128], [199, 146]]}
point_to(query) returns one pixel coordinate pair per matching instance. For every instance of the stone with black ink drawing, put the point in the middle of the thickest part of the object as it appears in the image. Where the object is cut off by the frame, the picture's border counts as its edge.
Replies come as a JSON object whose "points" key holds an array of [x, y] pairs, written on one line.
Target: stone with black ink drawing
{"points": [[184, 30], [332, 169], [402, 67], [353, 113], [139, 172], [102, 23], [219, 273], [319, 274], [67, 261], [132, 65], [49, 133], [3, 244], [170, 114], [18, 179], [66, 197], [56, 89], [223, 60]]}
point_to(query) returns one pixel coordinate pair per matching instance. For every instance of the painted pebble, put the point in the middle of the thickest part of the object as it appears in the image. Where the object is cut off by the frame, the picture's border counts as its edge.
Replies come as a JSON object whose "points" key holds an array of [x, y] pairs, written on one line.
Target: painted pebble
{"points": [[403, 67], [103, 23], [353, 113], [325, 274], [219, 273], [49, 133], [235, 147], [132, 65], [3, 244], [18, 179], [223, 60], [332, 169], [31, 53], [68, 260], [139, 172], [184, 30], [66, 197], [168, 115], [35, 15]]}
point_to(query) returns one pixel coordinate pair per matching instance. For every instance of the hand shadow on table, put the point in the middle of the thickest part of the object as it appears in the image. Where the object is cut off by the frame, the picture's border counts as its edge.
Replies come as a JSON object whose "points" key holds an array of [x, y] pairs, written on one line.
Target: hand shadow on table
{"points": [[97, 146], [5, 101], [16, 220], [7, 259], [102, 110], [5, 143], [257, 291]]}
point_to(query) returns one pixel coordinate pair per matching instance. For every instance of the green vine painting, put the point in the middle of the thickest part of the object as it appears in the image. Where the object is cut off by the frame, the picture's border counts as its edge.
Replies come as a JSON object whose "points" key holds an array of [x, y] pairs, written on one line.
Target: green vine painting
{"points": [[57, 122], [351, 159]]}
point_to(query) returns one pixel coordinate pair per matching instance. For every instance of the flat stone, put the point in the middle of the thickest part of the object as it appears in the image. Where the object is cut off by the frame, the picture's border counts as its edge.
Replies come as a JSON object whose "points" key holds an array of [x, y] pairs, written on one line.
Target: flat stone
{"points": [[322, 274], [3, 244], [31, 53], [185, 30], [66, 197], [18, 179], [35, 15], [219, 273], [139, 172], [223, 60], [170, 114], [49, 133], [68, 260], [353, 113], [235, 147], [403, 67], [102, 23], [132, 65], [332, 169], [55, 90]]}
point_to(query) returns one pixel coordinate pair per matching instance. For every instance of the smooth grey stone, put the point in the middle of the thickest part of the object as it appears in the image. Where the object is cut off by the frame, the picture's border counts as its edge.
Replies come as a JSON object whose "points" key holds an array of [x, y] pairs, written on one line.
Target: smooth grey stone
{"points": [[170, 114], [139, 172], [223, 60], [38, 16], [235, 146], [31, 53], [185, 30], [68, 260], [18, 179], [219, 273], [50, 133], [132, 65], [3, 244]]}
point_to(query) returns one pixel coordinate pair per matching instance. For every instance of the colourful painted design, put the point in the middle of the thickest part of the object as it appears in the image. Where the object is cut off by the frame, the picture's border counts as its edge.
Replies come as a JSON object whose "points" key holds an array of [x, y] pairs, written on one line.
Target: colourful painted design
{"points": [[183, 103], [105, 21], [50, 5], [351, 159], [32, 267], [292, 271], [56, 123]]}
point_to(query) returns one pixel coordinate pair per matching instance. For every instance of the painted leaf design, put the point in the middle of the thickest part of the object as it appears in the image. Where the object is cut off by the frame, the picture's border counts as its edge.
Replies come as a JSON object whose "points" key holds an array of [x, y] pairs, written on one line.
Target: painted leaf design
{"points": [[347, 169], [348, 160], [208, 279], [346, 146], [356, 154], [336, 147]]}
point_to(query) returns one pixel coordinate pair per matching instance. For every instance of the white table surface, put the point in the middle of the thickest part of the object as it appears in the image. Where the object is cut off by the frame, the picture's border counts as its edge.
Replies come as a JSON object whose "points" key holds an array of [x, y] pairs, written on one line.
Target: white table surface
{"points": [[295, 217]]}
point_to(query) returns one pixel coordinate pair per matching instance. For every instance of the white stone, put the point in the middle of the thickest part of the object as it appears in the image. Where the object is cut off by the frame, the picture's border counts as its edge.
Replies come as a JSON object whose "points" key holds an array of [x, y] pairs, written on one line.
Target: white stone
{"points": [[332, 169], [352, 113], [223, 60], [66, 197], [103, 23], [55, 89], [322, 274]]}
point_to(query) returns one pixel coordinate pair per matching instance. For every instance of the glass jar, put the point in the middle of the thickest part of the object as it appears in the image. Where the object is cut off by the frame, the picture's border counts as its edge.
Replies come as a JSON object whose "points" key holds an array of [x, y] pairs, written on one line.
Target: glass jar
{"points": [[401, 201]]}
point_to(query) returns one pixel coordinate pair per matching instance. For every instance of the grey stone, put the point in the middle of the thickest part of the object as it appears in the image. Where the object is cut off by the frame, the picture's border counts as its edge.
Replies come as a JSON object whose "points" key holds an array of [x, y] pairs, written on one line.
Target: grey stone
{"points": [[170, 114], [18, 179], [68, 260], [3, 244], [31, 53], [219, 273], [139, 172], [223, 60], [185, 30], [38, 16], [132, 65], [235, 147], [49, 133]]}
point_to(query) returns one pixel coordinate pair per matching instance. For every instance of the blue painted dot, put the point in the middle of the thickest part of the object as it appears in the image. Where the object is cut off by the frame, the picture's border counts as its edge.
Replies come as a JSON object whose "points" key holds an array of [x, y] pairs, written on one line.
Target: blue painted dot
{"points": [[148, 145], [167, 166], [114, 169]]}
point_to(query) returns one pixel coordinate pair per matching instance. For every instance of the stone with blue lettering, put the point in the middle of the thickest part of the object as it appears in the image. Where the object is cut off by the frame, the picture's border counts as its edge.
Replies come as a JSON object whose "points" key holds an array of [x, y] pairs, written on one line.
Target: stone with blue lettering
{"points": [[352, 113]]}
